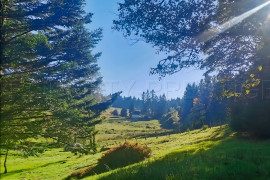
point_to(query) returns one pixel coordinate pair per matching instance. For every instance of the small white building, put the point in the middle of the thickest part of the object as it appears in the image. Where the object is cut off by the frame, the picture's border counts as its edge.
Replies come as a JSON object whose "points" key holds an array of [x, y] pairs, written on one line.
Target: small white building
{"points": [[135, 116]]}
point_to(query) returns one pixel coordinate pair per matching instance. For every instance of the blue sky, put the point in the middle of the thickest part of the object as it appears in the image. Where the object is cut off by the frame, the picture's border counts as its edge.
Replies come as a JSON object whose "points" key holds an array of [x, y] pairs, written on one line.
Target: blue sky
{"points": [[125, 66]]}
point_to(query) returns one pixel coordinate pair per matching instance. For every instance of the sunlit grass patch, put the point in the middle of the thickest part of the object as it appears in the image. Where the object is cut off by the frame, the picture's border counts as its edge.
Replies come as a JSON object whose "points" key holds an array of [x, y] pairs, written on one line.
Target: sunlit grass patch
{"points": [[218, 155], [212, 153]]}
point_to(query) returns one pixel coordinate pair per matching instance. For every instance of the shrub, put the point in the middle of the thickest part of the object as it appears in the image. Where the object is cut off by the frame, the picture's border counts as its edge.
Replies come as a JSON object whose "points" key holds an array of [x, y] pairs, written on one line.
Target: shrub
{"points": [[124, 112], [115, 113], [124, 154], [118, 156], [171, 120], [205, 127], [251, 118]]}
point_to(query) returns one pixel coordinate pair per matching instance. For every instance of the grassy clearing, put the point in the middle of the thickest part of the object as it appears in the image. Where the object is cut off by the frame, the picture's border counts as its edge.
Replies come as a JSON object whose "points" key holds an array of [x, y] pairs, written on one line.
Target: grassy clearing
{"points": [[56, 164], [115, 129], [108, 112], [213, 153], [53, 164]]}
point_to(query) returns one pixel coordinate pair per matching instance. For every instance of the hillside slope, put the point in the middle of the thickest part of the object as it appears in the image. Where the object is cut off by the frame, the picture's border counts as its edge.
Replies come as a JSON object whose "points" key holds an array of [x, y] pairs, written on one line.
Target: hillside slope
{"points": [[213, 153]]}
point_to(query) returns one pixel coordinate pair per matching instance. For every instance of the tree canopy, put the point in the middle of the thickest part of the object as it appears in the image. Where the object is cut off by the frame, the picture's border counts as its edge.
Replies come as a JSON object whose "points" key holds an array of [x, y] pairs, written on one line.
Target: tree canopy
{"points": [[178, 28]]}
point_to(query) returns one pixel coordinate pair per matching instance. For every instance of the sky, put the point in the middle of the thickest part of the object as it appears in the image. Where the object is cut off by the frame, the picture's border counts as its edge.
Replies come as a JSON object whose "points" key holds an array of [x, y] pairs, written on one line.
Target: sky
{"points": [[125, 66]]}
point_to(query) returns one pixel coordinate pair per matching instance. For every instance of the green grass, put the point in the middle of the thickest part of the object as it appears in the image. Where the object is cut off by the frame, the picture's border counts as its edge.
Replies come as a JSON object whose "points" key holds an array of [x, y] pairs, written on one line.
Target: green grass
{"points": [[213, 153], [115, 129], [56, 164], [108, 112], [53, 164]]}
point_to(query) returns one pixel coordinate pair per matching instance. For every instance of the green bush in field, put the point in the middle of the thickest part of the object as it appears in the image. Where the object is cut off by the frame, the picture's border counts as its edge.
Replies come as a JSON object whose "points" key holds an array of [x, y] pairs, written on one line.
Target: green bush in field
{"points": [[205, 127], [124, 112], [115, 113], [253, 118], [124, 154], [118, 156], [171, 120]]}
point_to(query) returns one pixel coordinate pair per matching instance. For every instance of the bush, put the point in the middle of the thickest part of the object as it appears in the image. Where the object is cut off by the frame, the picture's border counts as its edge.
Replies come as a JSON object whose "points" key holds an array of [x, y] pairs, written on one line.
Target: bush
{"points": [[205, 127], [115, 113], [251, 118], [124, 154], [124, 112], [118, 156], [171, 120]]}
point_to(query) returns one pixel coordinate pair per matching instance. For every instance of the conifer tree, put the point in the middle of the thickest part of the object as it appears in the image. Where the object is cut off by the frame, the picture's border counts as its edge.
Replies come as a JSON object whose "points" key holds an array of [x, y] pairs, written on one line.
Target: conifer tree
{"points": [[49, 75]]}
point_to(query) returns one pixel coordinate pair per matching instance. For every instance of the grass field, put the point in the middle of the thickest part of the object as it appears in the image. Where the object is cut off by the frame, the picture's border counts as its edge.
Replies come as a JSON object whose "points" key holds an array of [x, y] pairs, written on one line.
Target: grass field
{"points": [[115, 129], [213, 153]]}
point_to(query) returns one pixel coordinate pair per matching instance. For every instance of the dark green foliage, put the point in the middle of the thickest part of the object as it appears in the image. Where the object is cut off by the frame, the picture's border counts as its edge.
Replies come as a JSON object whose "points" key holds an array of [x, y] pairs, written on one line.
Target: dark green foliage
{"points": [[211, 109], [30, 149], [115, 112], [190, 94], [253, 118], [132, 108], [170, 24], [205, 127], [166, 25], [124, 112], [49, 75], [234, 55], [150, 105], [197, 116], [171, 120]]}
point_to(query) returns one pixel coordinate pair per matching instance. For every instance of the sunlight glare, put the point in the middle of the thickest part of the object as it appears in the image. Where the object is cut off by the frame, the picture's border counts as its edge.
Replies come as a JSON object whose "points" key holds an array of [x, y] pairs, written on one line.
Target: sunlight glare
{"points": [[214, 32]]}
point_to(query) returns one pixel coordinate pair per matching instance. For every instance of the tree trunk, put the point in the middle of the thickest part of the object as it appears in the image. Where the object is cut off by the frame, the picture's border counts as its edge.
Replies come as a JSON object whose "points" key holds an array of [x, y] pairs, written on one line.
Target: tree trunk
{"points": [[5, 162], [94, 139], [94, 143], [91, 143]]}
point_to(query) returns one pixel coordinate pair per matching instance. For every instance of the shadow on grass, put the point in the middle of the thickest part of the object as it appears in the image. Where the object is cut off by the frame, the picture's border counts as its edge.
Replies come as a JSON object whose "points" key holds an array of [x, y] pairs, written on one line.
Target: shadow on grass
{"points": [[30, 169], [230, 158], [100, 168]]}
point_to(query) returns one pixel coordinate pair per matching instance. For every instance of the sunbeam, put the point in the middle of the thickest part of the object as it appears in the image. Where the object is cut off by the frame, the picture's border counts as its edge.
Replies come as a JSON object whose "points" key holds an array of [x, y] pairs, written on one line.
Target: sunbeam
{"points": [[212, 33]]}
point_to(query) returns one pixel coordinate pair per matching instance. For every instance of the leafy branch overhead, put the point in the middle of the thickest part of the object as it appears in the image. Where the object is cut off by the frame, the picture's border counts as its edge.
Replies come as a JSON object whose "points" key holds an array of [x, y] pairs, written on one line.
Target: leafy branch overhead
{"points": [[176, 28]]}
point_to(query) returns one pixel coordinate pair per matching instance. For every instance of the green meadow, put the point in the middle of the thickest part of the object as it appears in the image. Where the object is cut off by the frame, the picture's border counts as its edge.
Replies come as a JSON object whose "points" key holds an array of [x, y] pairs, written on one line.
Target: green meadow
{"points": [[210, 153]]}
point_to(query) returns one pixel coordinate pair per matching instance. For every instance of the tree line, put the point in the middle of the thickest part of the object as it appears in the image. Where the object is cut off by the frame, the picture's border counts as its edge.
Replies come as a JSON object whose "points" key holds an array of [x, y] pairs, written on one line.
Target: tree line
{"points": [[202, 104]]}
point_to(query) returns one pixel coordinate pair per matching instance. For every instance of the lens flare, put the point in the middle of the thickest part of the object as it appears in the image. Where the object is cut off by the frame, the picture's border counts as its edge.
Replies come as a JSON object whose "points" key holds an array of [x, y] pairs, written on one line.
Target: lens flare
{"points": [[212, 33]]}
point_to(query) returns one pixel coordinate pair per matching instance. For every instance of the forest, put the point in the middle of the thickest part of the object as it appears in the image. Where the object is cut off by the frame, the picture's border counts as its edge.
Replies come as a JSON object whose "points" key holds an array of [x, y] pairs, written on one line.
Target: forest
{"points": [[56, 122]]}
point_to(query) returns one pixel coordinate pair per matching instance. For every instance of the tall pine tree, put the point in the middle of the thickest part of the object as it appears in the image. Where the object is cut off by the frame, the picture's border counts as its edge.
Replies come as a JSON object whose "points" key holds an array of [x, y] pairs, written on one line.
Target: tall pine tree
{"points": [[48, 72]]}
